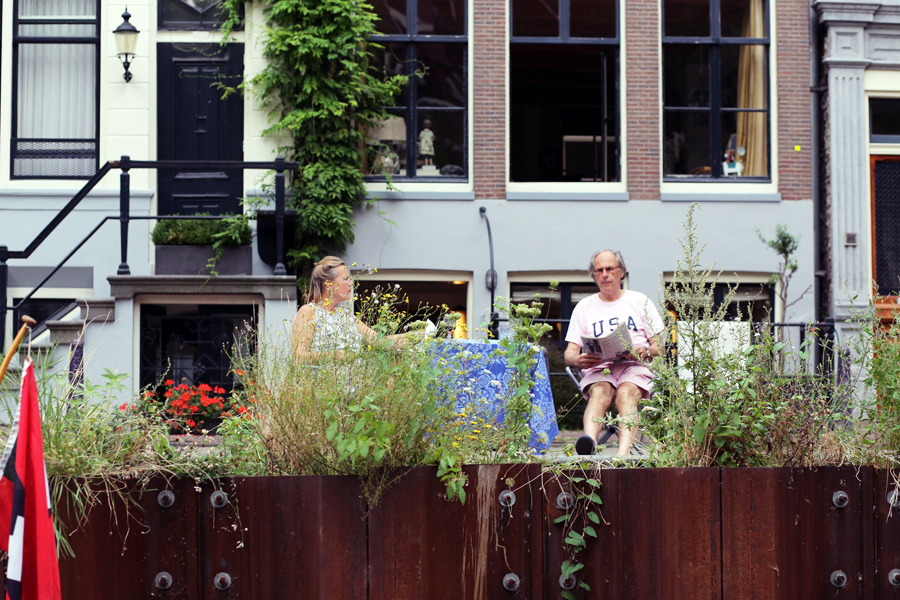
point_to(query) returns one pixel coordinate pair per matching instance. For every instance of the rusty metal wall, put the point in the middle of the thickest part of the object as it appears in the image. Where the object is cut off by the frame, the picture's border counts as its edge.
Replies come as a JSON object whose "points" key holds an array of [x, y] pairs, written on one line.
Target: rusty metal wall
{"points": [[664, 533], [798, 533], [125, 545]]}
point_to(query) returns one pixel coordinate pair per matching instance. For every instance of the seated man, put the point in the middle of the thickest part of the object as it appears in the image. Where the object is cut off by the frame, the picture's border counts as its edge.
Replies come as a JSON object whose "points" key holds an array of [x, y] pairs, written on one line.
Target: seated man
{"points": [[628, 380]]}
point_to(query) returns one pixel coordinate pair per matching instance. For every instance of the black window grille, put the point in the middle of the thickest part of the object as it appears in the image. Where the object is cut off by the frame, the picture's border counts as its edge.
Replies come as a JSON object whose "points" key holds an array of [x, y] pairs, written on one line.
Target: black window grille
{"points": [[564, 90], [426, 136], [887, 226], [193, 344], [716, 123]]}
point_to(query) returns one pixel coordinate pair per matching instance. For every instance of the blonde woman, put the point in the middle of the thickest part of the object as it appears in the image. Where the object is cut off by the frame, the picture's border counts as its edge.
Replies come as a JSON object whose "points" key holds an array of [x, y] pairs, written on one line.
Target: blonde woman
{"points": [[327, 323]]}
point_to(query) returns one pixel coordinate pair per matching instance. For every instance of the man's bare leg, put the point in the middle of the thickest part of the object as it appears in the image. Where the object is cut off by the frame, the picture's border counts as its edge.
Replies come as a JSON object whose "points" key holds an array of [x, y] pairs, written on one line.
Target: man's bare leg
{"points": [[627, 397], [600, 397]]}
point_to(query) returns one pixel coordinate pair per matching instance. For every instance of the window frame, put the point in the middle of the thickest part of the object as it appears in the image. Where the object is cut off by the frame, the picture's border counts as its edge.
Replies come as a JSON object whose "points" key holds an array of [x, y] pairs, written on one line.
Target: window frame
{"points": [[714, 41], [411, 39], [202, 24], [17, 41], [563, 39]]}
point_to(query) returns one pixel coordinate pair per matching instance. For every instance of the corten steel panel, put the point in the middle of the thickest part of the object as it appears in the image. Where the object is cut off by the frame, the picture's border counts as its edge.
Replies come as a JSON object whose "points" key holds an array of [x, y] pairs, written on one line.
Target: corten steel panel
{"points": [[887, 533], [125, 544], [284, 537], [784, 537], [659, 536], [422, 546]]}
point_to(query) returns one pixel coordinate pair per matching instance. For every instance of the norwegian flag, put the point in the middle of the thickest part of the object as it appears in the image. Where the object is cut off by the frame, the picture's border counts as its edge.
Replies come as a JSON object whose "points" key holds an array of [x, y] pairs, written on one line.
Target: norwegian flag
{"points": [[26, 518]]}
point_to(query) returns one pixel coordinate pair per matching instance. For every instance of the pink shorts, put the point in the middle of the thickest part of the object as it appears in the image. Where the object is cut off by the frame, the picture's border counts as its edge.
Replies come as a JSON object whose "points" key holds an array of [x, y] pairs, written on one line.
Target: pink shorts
{"points": [[619, 373]]}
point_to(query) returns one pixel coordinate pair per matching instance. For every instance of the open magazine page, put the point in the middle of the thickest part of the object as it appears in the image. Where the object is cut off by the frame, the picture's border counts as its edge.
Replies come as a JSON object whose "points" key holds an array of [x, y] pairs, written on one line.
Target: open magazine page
{"points": [[615, 345]]}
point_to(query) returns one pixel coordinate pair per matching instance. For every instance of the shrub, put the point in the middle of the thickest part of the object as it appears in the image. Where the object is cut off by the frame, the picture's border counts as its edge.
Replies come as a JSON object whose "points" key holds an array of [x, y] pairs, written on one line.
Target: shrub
{"points": [[233, 231], [750, 404]]}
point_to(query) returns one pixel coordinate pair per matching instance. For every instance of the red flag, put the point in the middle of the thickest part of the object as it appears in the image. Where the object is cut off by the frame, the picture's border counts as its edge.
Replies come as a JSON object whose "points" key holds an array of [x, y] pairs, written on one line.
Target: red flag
{"points": [[26, 518]]}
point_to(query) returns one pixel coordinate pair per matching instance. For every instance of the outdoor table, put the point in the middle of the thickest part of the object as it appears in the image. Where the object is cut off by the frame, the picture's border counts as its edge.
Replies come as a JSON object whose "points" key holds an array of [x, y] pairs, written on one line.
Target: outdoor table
{"points": [[483, 382]]}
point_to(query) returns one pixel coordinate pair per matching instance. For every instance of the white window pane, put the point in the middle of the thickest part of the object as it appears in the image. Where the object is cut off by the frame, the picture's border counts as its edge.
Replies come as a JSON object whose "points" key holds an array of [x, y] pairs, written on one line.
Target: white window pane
{"points": [[57, 83], [57, 8]]}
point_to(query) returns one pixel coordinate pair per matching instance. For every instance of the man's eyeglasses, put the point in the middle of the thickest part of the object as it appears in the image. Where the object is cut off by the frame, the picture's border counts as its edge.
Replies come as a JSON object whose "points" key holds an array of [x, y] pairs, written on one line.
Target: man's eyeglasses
{"points": [[606, 269]]}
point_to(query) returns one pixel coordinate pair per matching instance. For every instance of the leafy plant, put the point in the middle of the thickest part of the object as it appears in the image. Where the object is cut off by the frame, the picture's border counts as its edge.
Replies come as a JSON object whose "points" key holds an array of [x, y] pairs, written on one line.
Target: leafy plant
{"points": [[186, 407], [785, 246], [322, 91], [748, 404], [217, 233], [234, 231], [579, 522], [876, 351]]}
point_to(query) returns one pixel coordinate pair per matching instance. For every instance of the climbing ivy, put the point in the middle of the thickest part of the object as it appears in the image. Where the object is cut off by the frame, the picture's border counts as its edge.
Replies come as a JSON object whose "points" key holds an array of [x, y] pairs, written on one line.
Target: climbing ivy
{"points": [[321, 89]]}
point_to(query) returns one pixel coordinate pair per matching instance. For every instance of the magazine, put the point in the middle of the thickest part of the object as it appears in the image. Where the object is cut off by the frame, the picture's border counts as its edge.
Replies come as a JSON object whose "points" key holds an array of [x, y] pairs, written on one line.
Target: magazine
{"points": [[614, 345]]}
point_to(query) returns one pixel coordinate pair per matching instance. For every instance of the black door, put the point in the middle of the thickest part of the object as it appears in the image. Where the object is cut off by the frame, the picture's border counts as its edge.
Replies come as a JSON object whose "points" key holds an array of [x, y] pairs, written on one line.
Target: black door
{"points": [[196, 123]]}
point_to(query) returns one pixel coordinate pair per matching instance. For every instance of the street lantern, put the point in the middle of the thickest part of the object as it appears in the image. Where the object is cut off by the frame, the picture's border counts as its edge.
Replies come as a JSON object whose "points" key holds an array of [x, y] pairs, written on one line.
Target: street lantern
{"points": [[126, 39]]}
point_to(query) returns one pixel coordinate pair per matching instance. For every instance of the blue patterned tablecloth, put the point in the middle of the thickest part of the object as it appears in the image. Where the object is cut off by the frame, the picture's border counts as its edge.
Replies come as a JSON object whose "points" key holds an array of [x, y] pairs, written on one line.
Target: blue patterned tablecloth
{"points": [[483, 383]]}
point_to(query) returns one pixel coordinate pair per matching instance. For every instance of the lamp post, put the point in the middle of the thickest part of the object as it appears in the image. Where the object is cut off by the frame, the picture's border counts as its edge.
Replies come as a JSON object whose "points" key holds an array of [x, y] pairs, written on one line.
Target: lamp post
{"points": [[126, 38]]}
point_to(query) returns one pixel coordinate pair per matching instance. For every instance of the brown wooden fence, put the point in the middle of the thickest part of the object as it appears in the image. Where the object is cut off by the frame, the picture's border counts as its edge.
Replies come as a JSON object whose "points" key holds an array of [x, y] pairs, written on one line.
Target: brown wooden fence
{"points": [[698, 533]]}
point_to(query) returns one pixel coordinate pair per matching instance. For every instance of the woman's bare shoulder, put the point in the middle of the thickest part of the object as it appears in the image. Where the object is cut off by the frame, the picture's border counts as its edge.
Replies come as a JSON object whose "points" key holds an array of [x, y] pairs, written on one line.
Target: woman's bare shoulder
{"points": [[306, 313]]}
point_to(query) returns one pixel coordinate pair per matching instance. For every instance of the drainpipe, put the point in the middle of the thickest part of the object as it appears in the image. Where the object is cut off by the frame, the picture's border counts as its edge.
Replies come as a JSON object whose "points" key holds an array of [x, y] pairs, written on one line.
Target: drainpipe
{"points": [[490, 278]]}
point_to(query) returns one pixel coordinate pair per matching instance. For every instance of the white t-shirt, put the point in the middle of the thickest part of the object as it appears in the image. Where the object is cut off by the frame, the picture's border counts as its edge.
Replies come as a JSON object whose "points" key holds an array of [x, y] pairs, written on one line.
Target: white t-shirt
{"points": [[594, 317]]}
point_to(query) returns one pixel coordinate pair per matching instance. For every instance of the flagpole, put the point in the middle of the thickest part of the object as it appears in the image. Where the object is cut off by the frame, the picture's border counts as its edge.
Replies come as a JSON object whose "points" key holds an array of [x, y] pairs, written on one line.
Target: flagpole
{"points": [[29, 323]]}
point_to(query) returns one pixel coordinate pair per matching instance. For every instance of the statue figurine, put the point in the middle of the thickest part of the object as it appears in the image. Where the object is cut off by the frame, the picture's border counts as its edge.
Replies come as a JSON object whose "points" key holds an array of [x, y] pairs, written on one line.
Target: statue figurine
{"points": [[426, 143]]}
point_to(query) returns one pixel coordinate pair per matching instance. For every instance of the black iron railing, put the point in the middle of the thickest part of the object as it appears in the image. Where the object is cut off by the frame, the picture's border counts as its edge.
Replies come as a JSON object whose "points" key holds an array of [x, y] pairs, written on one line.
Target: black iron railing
{"points": [[280, 165]]}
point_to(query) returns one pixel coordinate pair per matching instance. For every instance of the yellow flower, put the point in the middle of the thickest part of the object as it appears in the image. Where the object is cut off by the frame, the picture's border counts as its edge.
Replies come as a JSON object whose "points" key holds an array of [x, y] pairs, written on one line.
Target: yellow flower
{"points": [[455, 445]]}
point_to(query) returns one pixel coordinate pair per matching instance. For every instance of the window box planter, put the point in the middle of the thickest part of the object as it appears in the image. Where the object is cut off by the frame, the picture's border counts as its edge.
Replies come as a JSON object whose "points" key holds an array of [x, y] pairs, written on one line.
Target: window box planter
{"points": [[194, 260]]}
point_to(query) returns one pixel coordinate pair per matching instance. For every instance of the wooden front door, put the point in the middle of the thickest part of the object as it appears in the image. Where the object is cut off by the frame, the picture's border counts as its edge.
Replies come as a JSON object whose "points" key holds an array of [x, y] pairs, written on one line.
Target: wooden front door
{"points": [[197, 123], [886, 233]]}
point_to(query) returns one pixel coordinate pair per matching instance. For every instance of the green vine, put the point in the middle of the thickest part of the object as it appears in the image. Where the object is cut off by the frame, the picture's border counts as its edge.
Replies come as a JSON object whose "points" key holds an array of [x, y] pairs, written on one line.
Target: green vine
{"points": [[321, 89]]}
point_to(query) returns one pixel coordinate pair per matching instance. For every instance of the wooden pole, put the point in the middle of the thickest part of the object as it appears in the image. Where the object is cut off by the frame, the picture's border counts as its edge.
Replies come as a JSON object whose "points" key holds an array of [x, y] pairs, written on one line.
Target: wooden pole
{"points": [[29, 323]]}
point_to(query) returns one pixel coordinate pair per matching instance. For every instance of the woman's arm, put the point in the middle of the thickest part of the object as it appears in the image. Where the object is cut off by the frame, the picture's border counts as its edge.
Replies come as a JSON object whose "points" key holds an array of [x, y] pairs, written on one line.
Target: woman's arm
{"points": [[369, 335], [304, 328]]}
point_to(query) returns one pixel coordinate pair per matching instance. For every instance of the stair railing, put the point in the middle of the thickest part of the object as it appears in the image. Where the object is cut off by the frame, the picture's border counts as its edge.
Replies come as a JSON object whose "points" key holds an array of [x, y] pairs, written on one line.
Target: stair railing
{"points": [[280, 165]]}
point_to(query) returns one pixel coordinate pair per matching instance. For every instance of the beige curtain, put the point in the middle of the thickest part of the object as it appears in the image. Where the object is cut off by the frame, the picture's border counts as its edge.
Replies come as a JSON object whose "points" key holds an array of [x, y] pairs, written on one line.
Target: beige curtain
{"points": [[751, 127]]}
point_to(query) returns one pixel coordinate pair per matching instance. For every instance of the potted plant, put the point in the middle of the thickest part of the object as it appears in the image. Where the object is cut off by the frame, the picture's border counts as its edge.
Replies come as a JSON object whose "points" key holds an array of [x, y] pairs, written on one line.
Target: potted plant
{"points": [[191, 408], [203, 246]]}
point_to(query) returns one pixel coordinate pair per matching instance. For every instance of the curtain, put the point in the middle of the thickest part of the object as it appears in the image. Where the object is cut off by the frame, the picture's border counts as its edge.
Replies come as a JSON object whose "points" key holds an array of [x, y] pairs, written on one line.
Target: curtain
{"points": [[752, 88]]}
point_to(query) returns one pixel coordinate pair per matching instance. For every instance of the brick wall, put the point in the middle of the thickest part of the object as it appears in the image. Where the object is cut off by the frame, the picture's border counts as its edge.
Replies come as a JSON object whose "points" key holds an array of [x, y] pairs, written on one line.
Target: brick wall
{"points": [[640, 71], [794, 109], [489, 104]]}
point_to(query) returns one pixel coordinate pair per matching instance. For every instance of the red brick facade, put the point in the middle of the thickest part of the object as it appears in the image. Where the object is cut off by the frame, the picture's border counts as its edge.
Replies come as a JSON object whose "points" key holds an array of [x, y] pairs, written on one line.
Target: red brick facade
{"points": [[640, 69], [489, 91], [640, 64], [794, 56]]}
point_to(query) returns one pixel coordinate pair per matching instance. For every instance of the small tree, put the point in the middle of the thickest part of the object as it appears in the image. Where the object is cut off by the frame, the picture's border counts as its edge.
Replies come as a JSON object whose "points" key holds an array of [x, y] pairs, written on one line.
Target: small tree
{"points": [[785, 245]]}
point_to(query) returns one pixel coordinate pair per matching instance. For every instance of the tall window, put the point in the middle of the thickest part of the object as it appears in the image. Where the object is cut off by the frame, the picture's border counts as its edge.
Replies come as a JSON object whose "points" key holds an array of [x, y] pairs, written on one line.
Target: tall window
{"points": [[715, 89], [425, 137], [564, 117], [55, 61]]}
